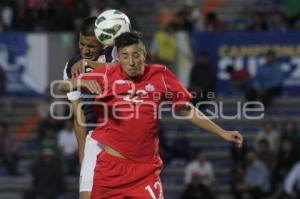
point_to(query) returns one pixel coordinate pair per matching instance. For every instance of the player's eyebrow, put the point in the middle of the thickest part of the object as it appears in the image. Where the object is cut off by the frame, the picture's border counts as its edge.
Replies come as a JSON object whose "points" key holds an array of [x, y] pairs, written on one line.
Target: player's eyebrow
{"points": [[91, 46], [124, 53], [88, 45], [131, 52]]}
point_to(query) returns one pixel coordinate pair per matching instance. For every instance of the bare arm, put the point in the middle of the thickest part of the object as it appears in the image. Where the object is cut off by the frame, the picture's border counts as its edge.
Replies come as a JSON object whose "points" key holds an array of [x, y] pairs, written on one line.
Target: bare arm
{"points": [[197, 118], [80, 130], [73, 84], [68, 85]]}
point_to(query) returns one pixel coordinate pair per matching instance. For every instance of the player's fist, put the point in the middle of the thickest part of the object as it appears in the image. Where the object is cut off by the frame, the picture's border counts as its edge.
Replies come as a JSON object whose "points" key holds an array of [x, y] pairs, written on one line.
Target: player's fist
{"points": [[79, 67], [234, 137], [91, 85]]}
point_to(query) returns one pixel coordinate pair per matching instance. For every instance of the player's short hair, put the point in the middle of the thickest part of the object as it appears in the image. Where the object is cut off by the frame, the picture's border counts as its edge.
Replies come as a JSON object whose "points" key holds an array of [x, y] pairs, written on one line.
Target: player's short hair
{"points": [[127, 39], [88, 26]]}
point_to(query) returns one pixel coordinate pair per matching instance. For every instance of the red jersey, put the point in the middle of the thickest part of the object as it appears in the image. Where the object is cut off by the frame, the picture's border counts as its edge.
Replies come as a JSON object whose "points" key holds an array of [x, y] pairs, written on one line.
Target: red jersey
{"points": [[131, 108]]}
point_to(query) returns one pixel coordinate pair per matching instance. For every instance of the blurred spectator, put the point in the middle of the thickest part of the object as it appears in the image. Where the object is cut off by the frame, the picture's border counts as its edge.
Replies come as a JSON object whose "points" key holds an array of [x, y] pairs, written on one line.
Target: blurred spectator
{"points": [[6, 15], [239, 80], [33, 4], [238, 155], [9, 148], [48, 179], [265, 86], [202, 167], [292, 182], [196, 189], [50, 140], [46, 121], [180, 148], [259, 23], [44, 17], [256, 182], [51, 15], [184, 57], [285, 160], [2, 25], [266, 155], [80, 11], [98, 6], [192, 15], [237, 174], [164, 149], [292, 11], [202, 79], [62, 17], [290, 132], [277, 22], [183, 21], [68, 146], [212, 23], [164, 47], [2, 81], [287, 157], [22, 18], [270, 134]]}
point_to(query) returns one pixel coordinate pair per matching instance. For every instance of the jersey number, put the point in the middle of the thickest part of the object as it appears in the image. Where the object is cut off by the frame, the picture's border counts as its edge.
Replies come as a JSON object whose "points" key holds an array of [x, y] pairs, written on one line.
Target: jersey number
{"points": [[157, 185], [135, 97]]}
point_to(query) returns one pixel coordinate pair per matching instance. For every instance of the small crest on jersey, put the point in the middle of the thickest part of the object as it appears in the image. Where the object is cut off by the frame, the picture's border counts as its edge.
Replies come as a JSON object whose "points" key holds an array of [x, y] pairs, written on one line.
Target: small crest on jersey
{"points": [[149, 87], [101, 59]]}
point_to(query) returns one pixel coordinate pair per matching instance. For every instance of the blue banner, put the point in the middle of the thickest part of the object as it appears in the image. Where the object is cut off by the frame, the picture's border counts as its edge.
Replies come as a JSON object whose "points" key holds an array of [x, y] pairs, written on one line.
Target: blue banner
{"points": [[245, 50], [14, 61]]}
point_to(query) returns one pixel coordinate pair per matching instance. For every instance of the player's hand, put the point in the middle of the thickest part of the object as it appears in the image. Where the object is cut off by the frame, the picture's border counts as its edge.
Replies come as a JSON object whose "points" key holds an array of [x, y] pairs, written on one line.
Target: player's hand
{"points": [[79, 67], [234, 137], [91, 85]]}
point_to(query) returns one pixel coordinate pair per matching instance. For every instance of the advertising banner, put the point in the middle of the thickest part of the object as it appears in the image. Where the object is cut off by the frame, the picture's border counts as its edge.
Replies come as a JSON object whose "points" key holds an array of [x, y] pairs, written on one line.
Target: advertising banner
{"points": [[245, 50], [23, 59]]}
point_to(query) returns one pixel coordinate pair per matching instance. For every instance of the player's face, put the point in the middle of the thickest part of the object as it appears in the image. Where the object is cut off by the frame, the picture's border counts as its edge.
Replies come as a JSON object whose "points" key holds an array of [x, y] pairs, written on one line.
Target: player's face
{"points": [[132, 59], [90, 48]]}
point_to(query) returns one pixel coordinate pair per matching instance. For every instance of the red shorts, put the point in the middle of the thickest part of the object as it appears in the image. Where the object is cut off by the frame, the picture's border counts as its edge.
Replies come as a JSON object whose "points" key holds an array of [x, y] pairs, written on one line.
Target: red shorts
{"points": [[117, 178]]}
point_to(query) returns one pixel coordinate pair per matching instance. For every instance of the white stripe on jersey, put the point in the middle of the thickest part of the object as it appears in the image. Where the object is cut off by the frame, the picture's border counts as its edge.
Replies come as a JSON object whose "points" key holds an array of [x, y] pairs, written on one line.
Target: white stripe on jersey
{"points": [[114, 55], [65, 76]]}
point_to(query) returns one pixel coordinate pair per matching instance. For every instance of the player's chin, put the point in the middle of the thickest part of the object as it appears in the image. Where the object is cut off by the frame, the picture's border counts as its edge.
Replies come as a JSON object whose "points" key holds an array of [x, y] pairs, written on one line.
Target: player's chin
{"points": [[133, 73]]}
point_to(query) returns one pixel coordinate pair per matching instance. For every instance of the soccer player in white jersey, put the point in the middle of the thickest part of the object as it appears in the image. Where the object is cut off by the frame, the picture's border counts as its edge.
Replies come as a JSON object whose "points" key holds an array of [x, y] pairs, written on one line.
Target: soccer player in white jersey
{"points": [[92, 52]]}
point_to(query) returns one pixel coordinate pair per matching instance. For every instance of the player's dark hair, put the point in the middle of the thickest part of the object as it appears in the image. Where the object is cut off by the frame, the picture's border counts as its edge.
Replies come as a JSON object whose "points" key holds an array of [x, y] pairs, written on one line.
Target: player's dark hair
{"points": [[127, 39], [88, 26]]}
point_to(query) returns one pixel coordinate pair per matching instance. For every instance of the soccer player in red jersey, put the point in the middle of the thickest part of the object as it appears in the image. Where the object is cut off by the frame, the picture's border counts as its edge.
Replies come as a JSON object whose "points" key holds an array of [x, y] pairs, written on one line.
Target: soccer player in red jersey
{"points": [[132, 94]]}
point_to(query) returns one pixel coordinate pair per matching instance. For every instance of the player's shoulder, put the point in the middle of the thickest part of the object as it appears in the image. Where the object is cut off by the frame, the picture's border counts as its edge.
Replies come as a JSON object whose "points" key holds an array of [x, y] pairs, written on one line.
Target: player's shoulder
{"points": [[106, 69], [156, 68], [73, 60], [69, 64]]}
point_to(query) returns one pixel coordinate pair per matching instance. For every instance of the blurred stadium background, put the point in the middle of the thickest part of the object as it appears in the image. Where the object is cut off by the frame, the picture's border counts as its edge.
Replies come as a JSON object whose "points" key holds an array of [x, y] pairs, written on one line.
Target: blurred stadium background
{"points": [[38, 37]]}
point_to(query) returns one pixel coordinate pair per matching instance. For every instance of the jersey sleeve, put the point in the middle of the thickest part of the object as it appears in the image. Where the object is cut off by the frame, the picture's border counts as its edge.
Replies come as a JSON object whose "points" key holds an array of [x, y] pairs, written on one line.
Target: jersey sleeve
{"points": [[99, 74], [175, 91]]}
